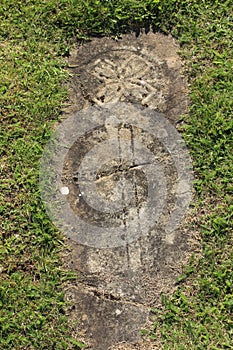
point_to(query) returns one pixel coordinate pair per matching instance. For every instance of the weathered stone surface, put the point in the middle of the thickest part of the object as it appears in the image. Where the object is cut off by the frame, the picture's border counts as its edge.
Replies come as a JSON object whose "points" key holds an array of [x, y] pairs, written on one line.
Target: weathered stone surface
{"points": [[118, 284], [107, 321], [146, 70]]}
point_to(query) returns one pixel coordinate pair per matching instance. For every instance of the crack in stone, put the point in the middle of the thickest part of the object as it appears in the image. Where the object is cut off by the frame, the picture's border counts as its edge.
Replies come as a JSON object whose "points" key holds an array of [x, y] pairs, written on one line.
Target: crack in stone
{"points": [[107, 295], [118, 169]]}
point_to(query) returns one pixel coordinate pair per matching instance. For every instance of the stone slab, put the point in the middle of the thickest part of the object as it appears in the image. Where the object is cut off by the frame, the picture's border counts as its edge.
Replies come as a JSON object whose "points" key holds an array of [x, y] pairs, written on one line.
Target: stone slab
{"points": [[118, 90]]}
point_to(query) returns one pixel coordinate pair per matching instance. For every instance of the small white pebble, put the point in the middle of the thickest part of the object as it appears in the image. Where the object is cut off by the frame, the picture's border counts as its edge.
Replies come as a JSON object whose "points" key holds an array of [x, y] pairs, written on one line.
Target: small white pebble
{"points": [[118, 312], [64, 190]]}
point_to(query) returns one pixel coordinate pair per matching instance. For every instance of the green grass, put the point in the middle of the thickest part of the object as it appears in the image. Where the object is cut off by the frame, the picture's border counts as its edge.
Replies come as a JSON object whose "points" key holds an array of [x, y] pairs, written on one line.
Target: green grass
{"points": [[34, 38], [199, 314]]}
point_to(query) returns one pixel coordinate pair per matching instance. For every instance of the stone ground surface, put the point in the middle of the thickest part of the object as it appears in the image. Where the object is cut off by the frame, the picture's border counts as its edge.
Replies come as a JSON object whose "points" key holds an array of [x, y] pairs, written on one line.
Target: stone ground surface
{"points": [[117, 286]]}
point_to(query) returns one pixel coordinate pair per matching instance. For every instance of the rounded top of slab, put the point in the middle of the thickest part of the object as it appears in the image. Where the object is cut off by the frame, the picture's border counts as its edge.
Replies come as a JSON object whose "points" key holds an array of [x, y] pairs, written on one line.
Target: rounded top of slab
{"points": [[146, 70]]}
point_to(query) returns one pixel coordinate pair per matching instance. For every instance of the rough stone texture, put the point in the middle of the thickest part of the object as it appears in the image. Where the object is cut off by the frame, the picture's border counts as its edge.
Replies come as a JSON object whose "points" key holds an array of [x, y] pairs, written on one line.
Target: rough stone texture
{"points": [[144, 70], [115, 326], [117, 286]]}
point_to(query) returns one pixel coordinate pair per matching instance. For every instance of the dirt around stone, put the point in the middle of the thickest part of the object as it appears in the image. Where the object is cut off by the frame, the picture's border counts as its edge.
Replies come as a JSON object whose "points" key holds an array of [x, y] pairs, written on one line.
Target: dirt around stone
{"points": [[117, 286]]}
